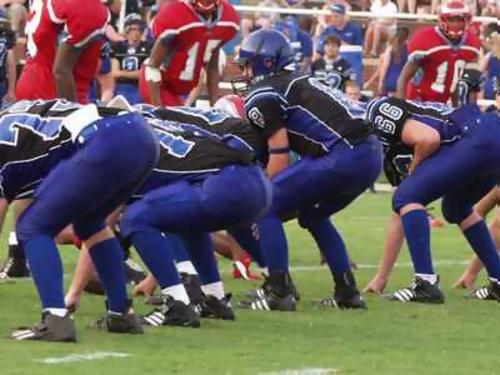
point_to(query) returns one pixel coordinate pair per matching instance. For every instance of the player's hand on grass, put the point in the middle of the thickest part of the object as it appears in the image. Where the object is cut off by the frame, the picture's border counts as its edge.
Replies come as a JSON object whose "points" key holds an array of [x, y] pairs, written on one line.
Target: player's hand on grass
{"points": [[72, 301], [376, 285], [146, 287], [466, 281]]}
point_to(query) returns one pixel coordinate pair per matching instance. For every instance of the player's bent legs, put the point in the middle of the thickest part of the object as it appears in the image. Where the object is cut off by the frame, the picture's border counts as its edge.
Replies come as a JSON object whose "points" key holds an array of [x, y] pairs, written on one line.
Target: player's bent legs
{"points": [[452, 166], [317, 188], [457, 208], [84, 190]]}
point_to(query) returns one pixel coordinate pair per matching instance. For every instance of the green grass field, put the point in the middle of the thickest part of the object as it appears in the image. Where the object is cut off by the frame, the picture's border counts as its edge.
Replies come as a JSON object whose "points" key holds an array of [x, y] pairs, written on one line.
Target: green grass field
{"points": [[389, 338]]}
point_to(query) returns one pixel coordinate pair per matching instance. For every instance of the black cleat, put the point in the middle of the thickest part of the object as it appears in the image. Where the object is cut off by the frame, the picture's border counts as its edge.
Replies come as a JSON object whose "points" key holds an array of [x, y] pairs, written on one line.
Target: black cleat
{"points": [[490, 292], [172, 313], [345, 294], [270, 302], [127, 322], [277, 293], [217, 308], [192, 284], [420, 291], [15, 266], [51, 328], [261, 292]]}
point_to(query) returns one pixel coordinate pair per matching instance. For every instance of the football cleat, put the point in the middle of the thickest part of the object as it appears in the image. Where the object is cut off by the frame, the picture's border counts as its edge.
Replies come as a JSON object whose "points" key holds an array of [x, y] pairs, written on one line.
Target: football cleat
{"points": [[420, 291], [51, 328], [127, 322], [490, 292], [345, 294], [261, 292], [217, 308], [270, 302], [172, 313], [14, 268], [192, 284], [277, 293]]}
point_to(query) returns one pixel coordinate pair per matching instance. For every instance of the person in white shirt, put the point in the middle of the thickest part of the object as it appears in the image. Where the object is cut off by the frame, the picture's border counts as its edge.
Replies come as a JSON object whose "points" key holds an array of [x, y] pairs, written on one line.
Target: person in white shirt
{"points": [[380, 28]]}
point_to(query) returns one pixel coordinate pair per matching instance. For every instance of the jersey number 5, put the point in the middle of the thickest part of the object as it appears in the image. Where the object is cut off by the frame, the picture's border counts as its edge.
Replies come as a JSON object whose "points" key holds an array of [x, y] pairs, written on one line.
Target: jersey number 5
{"points": [[188, 73]]}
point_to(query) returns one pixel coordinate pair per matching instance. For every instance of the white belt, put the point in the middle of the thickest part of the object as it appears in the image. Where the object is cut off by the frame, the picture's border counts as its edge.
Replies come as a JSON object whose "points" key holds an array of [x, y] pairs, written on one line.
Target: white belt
{"points": [[80, 119]]}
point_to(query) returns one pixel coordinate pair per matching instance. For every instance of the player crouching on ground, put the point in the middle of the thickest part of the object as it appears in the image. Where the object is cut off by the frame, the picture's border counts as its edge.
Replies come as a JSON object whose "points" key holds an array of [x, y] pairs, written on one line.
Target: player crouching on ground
{"points": [[339, 160], [89, 162], [450, 148]]}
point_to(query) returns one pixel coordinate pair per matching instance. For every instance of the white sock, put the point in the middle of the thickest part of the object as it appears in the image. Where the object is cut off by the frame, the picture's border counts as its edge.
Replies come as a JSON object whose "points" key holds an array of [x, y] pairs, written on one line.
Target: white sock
{"points": [[432, 278], [264, 271], [493, 280], [177, 292], [57, 311], [186, 267], [13, 238], [214, 289]]}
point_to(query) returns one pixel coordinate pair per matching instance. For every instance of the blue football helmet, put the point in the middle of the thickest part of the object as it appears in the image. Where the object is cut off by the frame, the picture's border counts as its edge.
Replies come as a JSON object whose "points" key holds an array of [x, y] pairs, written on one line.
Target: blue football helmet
{"points": [[266, 52]]}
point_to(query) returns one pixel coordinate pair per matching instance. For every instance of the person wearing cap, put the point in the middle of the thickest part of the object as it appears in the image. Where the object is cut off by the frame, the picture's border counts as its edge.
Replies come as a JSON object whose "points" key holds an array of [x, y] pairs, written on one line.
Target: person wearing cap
{"points": [[127, 58], [347, 32]]}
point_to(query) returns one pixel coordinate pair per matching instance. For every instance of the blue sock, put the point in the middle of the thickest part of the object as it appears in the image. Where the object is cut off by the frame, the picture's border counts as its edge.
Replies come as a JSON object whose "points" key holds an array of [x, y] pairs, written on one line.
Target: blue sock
{"points": [[201, 250], [481, 242], [108, 261], [273, 243], [331, 245], [156, 252], [246, 239], [180, 252], [46, 269], [417, 233]]}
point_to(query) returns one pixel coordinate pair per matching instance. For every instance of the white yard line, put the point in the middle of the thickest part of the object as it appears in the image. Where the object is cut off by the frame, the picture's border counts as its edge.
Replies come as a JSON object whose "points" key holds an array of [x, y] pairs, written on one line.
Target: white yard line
{"points": [[82, 357], [304, 371]]}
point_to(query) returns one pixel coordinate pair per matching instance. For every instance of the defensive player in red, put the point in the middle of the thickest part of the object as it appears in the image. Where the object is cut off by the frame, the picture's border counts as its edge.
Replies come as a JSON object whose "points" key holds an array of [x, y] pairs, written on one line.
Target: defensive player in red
{"points": [[64, 42], [188, 36], [438, 56]]}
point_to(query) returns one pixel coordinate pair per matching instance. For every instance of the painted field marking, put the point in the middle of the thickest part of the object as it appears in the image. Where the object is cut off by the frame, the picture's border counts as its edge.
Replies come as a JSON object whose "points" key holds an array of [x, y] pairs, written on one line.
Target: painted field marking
{"points": [[305, 371], [82, 357]]}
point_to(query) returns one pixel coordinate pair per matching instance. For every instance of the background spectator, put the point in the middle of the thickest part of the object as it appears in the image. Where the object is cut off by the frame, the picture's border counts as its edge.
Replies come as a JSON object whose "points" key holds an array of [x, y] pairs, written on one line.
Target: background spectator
{"points": [[380, 29], [127, 58], [353, 92], [392, 62], [301, 42], [490, 64], [7, 61], [332, 69]]}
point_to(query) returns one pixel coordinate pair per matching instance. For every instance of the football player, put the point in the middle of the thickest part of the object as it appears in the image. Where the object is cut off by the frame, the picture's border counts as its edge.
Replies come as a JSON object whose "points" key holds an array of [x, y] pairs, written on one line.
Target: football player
{"points": [[439, 55], [189, 35], [396, 169], [205, 181], [339, 159], [63, 49], [445, 149], [78, 164]]}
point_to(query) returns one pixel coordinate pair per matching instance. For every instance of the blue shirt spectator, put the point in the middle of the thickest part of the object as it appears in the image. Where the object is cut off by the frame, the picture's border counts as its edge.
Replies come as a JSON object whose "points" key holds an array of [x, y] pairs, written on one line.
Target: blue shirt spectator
{"points": [[347, 32], [301, 42]]}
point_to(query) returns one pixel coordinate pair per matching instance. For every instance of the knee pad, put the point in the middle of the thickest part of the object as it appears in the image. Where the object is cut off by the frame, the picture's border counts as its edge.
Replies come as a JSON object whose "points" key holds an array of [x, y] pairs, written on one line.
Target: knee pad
{"points": [[403, 196], [84, 229], [134, 219], [27, 228], [454, 212]]}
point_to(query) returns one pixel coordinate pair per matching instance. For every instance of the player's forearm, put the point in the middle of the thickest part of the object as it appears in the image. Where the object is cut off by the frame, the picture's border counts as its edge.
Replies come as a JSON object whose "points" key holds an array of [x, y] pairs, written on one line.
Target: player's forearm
{"points": [[4, 207], [276, 164], [129, 74], [11, 72], [408, 72], [83, 272], [393, 243], [154, 91], [213, 78], [66, 58], [422, 151]]}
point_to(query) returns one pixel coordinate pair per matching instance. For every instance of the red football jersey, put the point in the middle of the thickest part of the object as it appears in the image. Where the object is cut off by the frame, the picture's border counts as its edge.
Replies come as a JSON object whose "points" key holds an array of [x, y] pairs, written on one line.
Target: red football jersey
{"points": [[78, 23], [441, 63], [191, 41]]}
